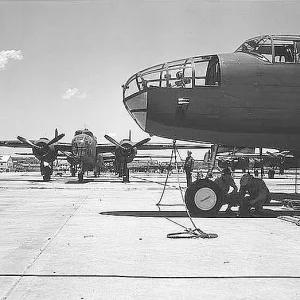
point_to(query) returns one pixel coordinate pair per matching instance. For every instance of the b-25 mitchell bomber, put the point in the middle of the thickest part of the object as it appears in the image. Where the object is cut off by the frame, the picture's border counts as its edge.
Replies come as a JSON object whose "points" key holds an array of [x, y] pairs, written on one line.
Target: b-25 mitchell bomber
{"points": [[246, 98], [84, 153]]}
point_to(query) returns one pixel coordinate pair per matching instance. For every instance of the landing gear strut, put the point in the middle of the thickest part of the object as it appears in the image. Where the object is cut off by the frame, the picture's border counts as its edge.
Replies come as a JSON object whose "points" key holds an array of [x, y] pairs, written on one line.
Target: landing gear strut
{"points": [[125, 173], [46, 171]]}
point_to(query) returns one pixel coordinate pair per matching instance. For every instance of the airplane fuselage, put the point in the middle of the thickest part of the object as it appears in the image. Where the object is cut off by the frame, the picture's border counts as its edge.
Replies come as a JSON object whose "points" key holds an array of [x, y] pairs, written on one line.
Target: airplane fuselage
{"points": [[84, 149], [241, 100]]}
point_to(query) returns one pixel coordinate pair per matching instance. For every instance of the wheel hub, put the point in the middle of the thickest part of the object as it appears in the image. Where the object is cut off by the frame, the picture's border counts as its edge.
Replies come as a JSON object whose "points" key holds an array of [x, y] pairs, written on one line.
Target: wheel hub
{"points": [[205, 198]]}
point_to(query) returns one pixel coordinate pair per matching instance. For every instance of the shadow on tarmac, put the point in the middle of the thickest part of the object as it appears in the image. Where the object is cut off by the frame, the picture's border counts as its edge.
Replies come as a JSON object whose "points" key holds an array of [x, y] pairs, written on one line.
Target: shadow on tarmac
{"points": [[78, 182], [284, 196], [183, 214]]}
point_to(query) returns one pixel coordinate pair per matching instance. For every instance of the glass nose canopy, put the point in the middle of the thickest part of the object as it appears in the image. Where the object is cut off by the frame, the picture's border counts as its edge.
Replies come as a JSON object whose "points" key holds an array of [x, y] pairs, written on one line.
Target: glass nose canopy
{"points": [[180, 74], [184, 73]]}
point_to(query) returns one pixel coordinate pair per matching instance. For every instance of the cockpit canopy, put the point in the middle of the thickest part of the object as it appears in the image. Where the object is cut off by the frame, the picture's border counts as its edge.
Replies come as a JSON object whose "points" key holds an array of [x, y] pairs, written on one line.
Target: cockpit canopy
{"points": [[273, 48], [184, 73], [84, 131]]}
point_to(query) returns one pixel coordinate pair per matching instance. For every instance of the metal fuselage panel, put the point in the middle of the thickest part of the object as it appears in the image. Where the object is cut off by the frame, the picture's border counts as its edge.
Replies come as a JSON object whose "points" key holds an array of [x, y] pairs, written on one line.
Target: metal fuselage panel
{"points": [[256, 104]]}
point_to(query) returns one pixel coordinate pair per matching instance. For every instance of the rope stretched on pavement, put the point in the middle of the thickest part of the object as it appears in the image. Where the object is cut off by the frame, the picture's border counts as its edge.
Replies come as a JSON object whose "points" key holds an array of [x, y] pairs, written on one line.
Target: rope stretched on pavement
{"points": [[188, 233]]}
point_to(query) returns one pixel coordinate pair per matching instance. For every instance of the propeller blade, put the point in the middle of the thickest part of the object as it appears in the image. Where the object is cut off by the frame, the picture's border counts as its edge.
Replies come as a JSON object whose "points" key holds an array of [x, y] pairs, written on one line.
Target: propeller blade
{"points": [[56, 132], [142, 142], [56, 139], [113, 141], [27, 142]]}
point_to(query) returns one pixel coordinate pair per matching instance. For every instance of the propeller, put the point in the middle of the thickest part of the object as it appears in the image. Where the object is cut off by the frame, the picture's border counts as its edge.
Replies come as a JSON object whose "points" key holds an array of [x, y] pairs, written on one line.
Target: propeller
{"points": [[29, 143], [140, 143], [56, 139], [113, 141], [127, 150], [42, 147]]}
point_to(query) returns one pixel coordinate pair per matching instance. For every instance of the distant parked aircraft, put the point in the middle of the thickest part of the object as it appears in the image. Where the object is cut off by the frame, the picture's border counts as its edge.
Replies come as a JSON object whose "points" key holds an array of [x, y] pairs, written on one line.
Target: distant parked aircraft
{"points": [[84, 153]]}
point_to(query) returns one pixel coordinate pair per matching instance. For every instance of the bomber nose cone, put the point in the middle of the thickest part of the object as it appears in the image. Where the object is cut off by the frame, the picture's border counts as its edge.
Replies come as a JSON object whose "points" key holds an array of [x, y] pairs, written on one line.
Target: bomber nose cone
{"points": [[135, 101], [79, 147]]}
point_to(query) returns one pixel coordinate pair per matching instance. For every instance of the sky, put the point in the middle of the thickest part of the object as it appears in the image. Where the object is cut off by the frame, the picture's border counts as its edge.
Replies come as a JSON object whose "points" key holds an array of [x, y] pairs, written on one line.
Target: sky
{"points": [[62, 63]]}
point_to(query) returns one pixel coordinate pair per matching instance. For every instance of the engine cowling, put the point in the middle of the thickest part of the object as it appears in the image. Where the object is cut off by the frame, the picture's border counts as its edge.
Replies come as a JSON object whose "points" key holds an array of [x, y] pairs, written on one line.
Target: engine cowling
{"points": [[127, 153], [46, 152]]}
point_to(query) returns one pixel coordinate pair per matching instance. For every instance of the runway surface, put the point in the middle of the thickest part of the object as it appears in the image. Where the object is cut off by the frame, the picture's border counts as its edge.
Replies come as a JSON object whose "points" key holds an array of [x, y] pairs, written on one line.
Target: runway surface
{"points": [[103, 239]]}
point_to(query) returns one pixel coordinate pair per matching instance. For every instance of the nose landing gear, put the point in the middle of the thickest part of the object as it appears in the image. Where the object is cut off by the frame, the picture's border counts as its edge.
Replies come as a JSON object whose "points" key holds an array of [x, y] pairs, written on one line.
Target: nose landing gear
{"points": [[80, 176], [203, 198], [46, 171]]}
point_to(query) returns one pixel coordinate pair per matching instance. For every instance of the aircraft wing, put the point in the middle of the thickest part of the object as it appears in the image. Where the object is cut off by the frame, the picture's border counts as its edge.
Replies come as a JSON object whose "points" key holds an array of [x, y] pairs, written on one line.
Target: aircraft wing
{"points": [[18, 144], [14, 144], [103, 148], [64, 147], [162, 146]]}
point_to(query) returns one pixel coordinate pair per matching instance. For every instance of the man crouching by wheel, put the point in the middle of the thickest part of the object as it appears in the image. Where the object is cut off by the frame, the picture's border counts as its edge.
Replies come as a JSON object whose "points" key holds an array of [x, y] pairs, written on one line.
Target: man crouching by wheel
{"points": [[225, 182], [259, 195]]}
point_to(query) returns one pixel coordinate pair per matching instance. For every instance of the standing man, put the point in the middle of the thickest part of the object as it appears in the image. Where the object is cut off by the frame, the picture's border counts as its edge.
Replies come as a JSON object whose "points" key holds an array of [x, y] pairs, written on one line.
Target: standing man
{"points": [[225, 182], [259, 195], [188, 168]]}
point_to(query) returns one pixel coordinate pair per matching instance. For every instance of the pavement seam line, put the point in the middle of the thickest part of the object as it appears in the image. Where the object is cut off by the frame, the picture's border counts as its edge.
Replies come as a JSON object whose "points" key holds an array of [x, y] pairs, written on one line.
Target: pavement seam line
{"points": [[44, 248], [151, 277]]}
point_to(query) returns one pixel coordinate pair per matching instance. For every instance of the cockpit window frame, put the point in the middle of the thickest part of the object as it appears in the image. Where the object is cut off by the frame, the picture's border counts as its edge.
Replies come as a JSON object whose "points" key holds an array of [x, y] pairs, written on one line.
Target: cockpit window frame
{"points": [[176, 74], [281, 46]]}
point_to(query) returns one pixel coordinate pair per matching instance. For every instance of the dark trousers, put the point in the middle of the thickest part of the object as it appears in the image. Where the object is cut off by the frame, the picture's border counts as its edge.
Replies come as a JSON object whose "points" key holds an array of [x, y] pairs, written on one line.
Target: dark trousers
{"points": [[245, 207], [188, 178]]}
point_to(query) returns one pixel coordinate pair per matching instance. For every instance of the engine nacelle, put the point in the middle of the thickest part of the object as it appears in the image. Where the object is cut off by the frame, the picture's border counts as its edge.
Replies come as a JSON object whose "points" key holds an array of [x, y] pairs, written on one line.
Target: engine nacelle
{"points": [[125, 155], [46, 152]]}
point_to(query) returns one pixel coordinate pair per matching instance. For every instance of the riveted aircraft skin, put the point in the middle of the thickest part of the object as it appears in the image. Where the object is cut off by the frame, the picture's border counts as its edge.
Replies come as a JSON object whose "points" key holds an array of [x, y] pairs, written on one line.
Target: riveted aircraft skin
{"points": [[256, 104]]}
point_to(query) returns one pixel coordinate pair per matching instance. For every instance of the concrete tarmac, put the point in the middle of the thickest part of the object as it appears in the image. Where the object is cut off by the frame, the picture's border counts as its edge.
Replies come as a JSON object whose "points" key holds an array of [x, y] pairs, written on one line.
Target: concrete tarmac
{"points": [[103, 239]]}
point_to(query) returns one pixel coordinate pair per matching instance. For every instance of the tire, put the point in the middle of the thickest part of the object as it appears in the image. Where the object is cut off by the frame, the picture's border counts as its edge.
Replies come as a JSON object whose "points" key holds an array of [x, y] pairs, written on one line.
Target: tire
{"points": [[80, 177], [47, 174], [271, 174], [46, 177], [203, 198], [281, 170]]}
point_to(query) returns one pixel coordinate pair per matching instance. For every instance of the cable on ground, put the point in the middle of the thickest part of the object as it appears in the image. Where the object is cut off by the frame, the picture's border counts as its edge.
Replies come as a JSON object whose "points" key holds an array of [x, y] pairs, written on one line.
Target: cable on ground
{"points": [[188, 232]]}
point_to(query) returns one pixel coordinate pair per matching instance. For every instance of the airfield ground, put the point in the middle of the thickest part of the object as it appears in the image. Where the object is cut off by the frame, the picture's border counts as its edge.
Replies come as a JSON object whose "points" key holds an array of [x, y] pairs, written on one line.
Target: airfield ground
{"points": [[103, 239]]}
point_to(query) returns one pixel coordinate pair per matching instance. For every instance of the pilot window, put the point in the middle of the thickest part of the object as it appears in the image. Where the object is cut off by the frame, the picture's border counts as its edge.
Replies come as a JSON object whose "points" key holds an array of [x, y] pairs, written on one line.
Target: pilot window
{"points": [[284, 51], [275, 49], [260, 47]]}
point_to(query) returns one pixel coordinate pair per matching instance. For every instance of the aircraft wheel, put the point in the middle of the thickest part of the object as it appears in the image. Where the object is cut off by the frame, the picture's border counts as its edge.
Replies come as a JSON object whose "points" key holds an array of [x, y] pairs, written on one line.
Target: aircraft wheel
{"points": [[271, 174], [80, 177], [46, 177], [203, 198], [281, 170], [47, 174]]}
